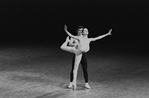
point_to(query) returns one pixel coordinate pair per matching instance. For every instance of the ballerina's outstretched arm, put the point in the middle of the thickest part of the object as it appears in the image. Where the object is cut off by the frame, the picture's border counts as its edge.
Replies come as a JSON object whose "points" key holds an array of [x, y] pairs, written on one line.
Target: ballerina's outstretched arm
{"points": [[67, 48], [75, 37], [101, 36]]}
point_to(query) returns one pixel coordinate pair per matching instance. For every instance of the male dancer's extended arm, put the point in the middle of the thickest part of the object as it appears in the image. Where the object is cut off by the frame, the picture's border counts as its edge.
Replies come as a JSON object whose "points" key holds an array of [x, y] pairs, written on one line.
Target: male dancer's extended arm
{"points": [[101, 36], [75, 37]]}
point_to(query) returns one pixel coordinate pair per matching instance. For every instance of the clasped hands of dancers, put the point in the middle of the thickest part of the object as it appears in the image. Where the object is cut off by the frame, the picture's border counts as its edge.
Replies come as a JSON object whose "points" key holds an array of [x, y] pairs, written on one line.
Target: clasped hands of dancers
{"points": [[79, 45]]}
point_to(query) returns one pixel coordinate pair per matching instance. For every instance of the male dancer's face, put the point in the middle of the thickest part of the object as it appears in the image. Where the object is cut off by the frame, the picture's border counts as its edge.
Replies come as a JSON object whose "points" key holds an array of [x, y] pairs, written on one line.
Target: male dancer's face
{"points": [[80, 31]]}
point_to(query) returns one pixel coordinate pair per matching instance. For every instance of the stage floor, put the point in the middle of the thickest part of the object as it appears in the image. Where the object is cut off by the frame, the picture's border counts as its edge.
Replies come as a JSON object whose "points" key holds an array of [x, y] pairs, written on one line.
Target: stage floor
{"points": [[40, 72]]}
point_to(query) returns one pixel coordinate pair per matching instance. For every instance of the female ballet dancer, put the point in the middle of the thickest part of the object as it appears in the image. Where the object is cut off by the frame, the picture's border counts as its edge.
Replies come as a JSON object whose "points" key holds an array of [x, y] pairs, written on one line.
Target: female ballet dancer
{"points": [[79, 49], [78, 56], [83, 61]]}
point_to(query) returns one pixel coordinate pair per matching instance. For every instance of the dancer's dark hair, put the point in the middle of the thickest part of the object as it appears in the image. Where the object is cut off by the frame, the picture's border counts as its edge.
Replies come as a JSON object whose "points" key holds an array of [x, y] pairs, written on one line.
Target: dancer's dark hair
{"points": [[79, 27]]}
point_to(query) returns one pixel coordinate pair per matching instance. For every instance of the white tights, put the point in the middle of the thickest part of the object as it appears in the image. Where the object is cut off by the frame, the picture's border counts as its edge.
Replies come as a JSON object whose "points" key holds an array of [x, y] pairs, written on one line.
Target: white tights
{"points": [[76, 66]]}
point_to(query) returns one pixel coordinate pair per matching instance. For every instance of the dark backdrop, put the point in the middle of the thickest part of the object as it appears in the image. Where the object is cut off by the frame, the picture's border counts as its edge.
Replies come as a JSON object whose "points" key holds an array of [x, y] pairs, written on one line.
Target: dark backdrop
{"points": [[42, 22]]}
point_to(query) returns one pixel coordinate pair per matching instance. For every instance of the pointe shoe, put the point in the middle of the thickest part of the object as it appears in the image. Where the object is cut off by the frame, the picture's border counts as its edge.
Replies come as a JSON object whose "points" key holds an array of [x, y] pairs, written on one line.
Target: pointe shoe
{"points": [[74, 86], [70, 85], [87, 86]]}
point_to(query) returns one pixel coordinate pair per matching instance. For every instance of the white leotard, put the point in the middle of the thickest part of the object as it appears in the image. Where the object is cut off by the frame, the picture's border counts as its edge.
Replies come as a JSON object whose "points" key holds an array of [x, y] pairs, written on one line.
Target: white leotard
{"points": [[84, 44], [73, 42]]}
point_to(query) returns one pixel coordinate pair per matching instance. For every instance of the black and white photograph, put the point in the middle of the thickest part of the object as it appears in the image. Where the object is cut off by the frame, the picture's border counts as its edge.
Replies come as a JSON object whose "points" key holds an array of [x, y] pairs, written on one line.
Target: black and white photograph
{"points": [[74, 49]]}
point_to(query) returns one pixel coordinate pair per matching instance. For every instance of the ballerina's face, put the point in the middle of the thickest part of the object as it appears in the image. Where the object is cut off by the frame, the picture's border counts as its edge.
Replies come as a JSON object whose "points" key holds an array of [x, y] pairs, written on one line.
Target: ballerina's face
{"points": [[85, 31]]}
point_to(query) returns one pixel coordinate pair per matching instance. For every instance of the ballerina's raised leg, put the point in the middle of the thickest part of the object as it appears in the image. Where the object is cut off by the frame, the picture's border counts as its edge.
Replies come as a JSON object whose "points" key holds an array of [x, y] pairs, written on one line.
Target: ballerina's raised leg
{"points": [[78, 56]]}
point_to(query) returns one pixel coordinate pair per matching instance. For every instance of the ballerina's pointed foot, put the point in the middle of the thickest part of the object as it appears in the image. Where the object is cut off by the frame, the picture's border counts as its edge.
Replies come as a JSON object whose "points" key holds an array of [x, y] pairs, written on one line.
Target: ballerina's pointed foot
{"points": [[87, 86], [72, 85]]}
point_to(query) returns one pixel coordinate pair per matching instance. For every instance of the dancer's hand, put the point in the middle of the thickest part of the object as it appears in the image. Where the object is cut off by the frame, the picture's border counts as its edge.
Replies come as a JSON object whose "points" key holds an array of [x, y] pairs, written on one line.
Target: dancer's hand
{"points": [[110, 32], [65, 27], [67, 39]]}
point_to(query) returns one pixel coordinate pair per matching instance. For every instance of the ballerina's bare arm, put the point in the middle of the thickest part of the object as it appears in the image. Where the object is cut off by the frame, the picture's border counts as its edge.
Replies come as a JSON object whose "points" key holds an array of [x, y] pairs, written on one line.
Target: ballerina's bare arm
{"points": [[101, 36], [75, 37]]}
